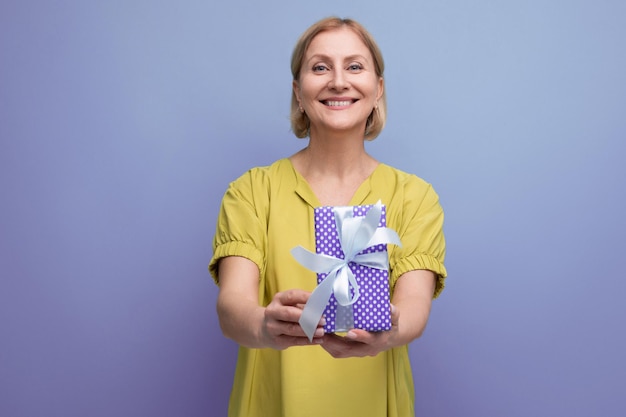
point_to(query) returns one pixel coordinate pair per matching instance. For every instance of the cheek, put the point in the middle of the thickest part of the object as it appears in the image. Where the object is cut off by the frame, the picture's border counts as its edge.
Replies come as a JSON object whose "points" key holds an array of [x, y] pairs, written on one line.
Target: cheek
{"points": [[306, 92], [310, 87]]}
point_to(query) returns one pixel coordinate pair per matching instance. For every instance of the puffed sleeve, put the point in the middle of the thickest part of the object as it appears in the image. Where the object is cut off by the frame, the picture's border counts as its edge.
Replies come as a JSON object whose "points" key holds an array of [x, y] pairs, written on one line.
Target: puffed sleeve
{"points": [[241, 226], [421, 233]]}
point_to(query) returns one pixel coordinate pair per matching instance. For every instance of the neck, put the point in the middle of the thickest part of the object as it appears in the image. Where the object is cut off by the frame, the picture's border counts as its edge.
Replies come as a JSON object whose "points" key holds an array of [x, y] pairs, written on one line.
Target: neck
{"points": [[334, 161], [334, 170], [337, 155], [334, 167]]}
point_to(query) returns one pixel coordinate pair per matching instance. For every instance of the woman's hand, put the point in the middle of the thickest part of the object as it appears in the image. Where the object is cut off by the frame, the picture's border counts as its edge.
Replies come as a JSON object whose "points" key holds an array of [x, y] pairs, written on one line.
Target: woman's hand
{"points": [[360, 343], [280, 328], [413, 297], [243, 320]]}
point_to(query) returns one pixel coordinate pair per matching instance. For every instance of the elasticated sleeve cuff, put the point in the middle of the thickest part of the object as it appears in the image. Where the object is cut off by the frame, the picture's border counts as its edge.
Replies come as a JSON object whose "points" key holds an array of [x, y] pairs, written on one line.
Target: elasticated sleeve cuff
{"points": [[243, 249], [421, 261]]}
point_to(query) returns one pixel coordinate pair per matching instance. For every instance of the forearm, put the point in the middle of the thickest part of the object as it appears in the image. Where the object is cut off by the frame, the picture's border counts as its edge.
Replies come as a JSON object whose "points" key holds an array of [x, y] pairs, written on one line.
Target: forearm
{"points": [[413, 322], [240, 315], [413, 299], [241, 320], [250, 324]]}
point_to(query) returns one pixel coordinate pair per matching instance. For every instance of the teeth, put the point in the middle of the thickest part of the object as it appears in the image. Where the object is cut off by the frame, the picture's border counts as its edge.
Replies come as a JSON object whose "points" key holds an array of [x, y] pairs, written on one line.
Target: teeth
{"points": [[338, 103]]}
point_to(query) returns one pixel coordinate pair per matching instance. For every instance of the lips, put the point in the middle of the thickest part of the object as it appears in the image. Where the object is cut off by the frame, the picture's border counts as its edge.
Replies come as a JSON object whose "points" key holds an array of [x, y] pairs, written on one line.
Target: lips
{"points": [[338, 103]]}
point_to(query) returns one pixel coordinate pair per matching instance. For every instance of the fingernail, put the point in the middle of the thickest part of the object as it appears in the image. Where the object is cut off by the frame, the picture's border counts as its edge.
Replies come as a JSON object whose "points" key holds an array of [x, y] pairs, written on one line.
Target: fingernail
{"points": [[323, 322], [350, 335]]}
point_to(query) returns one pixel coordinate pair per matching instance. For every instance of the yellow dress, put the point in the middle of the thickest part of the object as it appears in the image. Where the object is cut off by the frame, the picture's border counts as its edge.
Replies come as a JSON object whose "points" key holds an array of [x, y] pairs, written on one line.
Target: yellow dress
{"points": [[264, 214]]}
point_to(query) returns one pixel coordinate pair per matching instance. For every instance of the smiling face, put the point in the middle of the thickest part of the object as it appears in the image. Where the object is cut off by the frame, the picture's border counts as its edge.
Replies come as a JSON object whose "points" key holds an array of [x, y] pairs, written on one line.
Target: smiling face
{"points": [[338, 87]]}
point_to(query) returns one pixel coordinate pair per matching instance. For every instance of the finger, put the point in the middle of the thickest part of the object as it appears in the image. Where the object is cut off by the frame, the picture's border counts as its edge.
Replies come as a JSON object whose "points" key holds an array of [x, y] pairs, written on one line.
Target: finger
{"points": [[283, 313], [282, 328], [395, 316], [293, 297], [361, 336], [332, 345], [284, 342], [339, 347], [318, 340]]}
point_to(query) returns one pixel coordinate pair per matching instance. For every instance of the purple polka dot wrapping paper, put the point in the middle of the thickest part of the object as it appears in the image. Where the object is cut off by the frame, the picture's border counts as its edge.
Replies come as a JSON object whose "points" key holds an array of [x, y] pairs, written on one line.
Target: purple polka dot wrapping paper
{"points": [[371, 311]]}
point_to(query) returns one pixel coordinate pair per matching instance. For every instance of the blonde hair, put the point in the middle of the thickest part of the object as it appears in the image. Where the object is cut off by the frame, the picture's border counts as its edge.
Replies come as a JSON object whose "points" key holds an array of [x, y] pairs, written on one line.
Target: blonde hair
{"points": [[300, 122]]}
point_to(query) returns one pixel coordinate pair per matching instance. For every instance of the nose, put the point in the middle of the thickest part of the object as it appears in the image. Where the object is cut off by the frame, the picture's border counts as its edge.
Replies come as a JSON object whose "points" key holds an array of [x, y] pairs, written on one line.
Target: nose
{"points": [[338, 81]]}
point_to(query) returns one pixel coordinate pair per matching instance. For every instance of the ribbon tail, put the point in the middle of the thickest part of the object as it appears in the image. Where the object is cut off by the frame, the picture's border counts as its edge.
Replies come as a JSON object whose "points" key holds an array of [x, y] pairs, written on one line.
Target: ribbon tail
{"points": [[355, 286], [341, 287], [373, 214], [314, 307], [377, 260], [316, 262], [384, 235]]}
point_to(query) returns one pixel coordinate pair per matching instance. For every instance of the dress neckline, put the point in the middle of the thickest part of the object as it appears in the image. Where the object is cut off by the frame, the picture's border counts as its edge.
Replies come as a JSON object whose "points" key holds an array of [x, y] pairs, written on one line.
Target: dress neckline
{"points": [[304, 190]]}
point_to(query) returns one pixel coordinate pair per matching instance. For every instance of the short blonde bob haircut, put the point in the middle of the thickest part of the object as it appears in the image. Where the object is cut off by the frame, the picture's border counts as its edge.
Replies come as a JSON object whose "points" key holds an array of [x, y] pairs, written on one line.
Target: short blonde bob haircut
{"points": [[300, 122]]}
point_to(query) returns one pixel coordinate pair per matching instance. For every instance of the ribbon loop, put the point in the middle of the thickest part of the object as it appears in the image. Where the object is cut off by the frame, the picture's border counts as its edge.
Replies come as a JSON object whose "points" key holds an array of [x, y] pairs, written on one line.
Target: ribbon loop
{"points": [[355, 234]]}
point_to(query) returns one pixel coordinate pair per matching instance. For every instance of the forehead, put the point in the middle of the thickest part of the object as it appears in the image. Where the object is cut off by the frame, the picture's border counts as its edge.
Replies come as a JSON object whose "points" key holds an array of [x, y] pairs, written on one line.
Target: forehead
{"points": [[338, 42]]}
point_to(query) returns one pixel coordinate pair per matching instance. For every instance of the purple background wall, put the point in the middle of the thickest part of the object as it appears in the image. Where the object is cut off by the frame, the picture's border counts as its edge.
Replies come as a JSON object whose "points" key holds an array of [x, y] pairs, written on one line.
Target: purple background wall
{"points": [[122, 122]]}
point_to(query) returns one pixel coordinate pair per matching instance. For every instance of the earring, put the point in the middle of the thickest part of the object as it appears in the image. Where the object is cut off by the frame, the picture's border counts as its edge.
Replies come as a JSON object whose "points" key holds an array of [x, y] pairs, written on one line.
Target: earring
{"points": [[301, 109]]}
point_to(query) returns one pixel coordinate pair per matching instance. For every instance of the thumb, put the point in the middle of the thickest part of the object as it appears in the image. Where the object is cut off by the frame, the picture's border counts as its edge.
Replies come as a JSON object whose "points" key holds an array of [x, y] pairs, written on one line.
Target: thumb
{"points": [[395, 316]]}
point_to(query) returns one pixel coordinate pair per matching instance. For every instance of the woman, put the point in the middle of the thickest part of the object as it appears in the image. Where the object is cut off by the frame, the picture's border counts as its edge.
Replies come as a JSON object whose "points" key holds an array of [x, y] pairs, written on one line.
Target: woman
{"points": [[338, 102]]}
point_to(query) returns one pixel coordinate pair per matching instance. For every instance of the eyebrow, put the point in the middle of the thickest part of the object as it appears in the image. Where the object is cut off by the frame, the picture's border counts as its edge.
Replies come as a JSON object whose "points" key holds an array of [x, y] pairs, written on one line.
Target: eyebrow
{"points": [[323, 57]]}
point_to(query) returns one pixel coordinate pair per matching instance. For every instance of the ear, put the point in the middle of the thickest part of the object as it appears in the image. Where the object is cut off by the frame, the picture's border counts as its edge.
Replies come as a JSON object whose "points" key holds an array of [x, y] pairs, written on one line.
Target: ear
{"points": [[381, 88], [296, 90]]}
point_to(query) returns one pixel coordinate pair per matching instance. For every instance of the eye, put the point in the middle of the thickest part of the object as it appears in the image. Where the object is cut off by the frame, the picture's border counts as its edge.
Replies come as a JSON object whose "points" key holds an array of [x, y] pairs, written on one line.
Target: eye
{"points": [[355, 67], [320, 68]]}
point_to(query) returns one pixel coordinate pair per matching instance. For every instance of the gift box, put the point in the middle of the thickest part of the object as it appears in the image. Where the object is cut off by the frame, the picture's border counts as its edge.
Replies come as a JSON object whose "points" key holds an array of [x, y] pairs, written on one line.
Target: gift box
{"points": [[352, 268]]}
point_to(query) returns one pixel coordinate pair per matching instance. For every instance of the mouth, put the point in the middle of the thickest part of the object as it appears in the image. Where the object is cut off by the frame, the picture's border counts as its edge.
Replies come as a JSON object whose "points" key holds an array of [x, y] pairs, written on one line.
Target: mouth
{"points": [[338, 103]]}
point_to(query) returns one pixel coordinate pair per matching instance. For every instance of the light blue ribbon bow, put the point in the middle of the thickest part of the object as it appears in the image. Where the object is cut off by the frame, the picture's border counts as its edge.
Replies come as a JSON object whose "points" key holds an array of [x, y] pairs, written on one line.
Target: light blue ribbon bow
{"points": [[355, 235]]}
